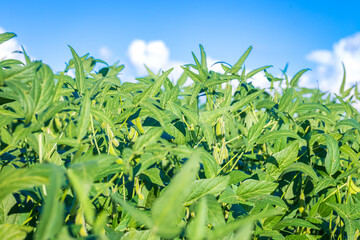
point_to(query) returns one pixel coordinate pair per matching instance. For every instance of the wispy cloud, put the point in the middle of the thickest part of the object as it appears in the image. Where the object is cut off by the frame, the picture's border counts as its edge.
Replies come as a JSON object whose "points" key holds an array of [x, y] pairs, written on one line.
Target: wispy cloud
{"points": [[105, 53], [155, 55], [329, 72]]}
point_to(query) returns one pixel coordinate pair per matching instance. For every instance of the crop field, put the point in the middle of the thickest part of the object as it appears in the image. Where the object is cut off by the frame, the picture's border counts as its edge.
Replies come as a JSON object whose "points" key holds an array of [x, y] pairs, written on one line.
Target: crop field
{"points": [[93, 157]]}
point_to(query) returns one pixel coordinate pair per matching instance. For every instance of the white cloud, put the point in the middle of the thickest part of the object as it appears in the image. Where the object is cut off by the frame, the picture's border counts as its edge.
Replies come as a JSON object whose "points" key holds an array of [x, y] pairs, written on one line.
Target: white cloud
{"points": [[105, 53], [329, 72], [154, 55], [7, 49]]}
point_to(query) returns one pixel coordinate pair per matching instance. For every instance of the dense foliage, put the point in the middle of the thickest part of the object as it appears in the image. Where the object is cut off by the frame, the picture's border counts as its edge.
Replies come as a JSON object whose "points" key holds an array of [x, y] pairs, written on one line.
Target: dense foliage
{"points": [[94, 157]]}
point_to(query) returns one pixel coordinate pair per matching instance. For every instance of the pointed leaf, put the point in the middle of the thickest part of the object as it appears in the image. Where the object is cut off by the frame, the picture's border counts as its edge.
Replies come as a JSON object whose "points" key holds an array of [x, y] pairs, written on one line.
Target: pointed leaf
{"points": [[196, 228], [84, 118], [49, 226], [294, 222], [342, 87], [6, 36], [155, 88], [174, 195], [299, 166], [269, 136], [294, 81], [348, 122], [332, 160], [241, 61], [257, 70], [246, 100], [79, 72]]}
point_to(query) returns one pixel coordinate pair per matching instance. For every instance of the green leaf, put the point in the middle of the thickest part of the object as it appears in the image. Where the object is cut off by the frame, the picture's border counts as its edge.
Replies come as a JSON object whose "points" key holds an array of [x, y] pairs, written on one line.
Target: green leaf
{"points": [[285, 100], [348, 122], [195, 92], [195, 77], [202, 187], [354, 211], [342, 209], [302, 167], [12, 231], [241, 61], [140, 235], [155, 88], [112, 169], [324, 183], [79, 72], [84, 118], [348, 172], [257, 70], [256, 129], [203, 58], [7, 113], [215, 216], [49, 226], [139, 215], [13, 180], [148, 138], [316, 116], [196, 228], [208, 132], [332, 160], [202, 73], [82, 188], [102, 116], [283, 159], [311, 107], [237, 176], [43, 89], [27, 58], [228, 196], [246, 231], [342, 87], [51, 112], [192, 117], [81, 176], [272, 200], [251, 188], [209, 163], [246, 100], [294, 81], [164, 210], [345, 105], [154, 176], [156, 113], [229, 227], [351, 227], [6, 36], [269, 136], [211, 116], [147, 159], [8, 63], [7, 213], [22, 74], [294, 222]]}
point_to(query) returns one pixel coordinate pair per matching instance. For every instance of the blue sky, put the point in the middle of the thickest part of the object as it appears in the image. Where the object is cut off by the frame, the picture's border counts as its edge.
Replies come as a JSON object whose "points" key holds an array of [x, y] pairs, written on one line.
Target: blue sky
{"points": [[301, 33]]}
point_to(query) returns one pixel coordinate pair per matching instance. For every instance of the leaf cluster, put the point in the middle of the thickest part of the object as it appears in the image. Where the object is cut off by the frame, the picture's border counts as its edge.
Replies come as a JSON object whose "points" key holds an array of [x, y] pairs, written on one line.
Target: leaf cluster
{"points": [[93, 157]]}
